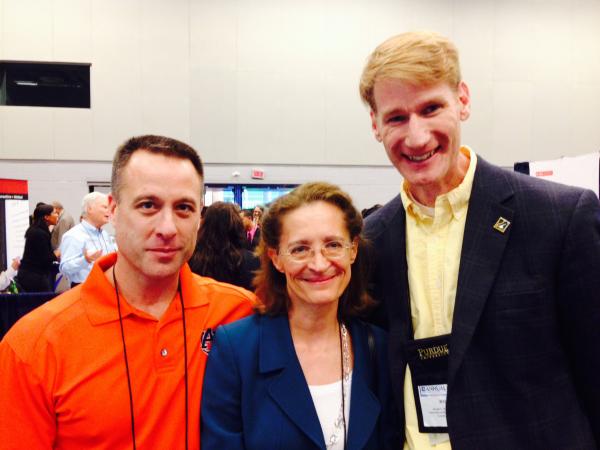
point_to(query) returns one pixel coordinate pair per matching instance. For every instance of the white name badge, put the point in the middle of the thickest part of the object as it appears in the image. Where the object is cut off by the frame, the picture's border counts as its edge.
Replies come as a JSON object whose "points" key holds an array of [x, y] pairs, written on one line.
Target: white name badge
{"points": [[433, 404]]}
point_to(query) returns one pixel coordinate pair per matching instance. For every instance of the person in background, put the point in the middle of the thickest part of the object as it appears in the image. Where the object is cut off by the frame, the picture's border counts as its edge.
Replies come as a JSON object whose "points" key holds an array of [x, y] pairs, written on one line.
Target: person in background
{"points": [[221, 247], [118, 361], [489, 279], [64, 224], [9, 274], [301, 374], [368, 211], [257, 214], [37, 271], [251, 228], [87, 241]]}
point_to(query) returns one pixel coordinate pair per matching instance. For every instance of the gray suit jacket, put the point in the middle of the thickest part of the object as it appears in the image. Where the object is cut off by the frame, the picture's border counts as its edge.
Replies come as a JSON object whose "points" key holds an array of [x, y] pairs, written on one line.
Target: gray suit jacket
{"points": [[524, 369], [65, 223]]}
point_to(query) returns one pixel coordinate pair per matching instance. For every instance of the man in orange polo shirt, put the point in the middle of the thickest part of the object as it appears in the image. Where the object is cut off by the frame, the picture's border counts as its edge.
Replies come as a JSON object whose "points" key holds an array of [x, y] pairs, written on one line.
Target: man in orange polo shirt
{"points": [[118, 362]]}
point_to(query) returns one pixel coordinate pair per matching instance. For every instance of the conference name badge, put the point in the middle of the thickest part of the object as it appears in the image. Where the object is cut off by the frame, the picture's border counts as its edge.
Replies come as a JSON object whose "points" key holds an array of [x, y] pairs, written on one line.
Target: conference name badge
{"points": [[428, 362], [432, 398]]}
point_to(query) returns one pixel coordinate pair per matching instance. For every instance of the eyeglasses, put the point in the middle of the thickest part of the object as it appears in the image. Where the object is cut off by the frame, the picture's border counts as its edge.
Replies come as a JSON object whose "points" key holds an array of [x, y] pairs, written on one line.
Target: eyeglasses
{"points": [[330, 250]]}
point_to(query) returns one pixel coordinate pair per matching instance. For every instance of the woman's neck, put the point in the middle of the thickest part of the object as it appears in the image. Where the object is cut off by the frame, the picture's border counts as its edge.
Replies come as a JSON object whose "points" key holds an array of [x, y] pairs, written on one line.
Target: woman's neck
{"points": [[313, 322], [316, 338]]}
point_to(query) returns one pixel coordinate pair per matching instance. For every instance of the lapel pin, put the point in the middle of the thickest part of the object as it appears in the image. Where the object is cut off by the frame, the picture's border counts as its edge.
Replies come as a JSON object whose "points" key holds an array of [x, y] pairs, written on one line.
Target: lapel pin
{"points": [[501, 224]]}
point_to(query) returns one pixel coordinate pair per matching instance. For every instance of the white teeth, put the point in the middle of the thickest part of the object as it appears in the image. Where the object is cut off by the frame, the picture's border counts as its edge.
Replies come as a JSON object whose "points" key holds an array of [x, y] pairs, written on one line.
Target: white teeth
{"points": [[422, 157]]}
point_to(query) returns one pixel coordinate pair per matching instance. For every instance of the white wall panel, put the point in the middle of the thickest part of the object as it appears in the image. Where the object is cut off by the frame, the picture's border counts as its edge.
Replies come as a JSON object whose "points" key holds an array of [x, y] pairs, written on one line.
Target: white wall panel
{"points": [[345, 40], [2, 29], [213, 34], [214, 115], [302, 119], [514, 42], [258, 117], [73, 134], [273, 81], [213, 79], [116, 74], [27, 133], [553, 120], [585, 104], [28, 30], [72, 33], [260, 35], [473, 35], [304, 30], [348, 135], [511, 121], [165, 75], [586, 42], [552, 29]]}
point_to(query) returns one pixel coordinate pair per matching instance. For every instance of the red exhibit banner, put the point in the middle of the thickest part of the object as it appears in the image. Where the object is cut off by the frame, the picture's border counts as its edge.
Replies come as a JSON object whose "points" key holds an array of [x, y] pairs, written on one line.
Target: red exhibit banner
{"points": [[13, 189], [14, 219]]}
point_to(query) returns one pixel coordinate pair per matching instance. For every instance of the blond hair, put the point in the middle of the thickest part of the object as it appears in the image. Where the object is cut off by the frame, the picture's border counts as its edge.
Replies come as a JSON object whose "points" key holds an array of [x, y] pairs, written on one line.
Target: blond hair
{"points": [[417, 57]]}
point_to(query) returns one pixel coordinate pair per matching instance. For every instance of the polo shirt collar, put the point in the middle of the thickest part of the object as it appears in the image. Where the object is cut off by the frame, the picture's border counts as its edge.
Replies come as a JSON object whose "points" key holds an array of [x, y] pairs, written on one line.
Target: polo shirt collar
{"points": [[100, 299], [456, 201]]}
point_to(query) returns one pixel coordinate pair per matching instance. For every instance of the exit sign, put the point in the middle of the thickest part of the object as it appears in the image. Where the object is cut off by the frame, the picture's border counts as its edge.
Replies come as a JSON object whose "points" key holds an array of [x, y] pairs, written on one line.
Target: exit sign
{"points": [[258, 174]]}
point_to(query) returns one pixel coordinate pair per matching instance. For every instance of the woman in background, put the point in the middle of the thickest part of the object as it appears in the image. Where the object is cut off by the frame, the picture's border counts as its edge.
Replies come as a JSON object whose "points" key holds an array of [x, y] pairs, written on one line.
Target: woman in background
{"points": [[304, 373], [37, 268], [257, 214], [220, 250]]}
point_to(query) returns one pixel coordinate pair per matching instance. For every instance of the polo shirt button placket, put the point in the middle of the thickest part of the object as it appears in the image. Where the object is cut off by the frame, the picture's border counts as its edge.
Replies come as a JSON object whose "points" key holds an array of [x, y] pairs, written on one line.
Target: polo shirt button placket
{"points": [[164, 352]]}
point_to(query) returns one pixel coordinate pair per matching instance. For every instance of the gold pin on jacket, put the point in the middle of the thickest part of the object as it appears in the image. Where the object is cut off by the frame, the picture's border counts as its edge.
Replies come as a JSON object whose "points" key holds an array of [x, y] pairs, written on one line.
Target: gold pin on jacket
{"points": [[501, 224]]}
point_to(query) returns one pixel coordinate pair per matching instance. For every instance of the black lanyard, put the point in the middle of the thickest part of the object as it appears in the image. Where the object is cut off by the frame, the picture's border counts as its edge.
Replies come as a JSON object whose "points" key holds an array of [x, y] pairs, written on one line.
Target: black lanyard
{"points": [[185, 358]]}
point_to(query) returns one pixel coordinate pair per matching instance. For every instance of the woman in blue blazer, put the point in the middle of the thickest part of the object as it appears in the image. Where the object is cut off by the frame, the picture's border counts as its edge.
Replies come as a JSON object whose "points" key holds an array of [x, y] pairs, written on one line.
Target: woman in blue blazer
{"points": [[303, 373]]}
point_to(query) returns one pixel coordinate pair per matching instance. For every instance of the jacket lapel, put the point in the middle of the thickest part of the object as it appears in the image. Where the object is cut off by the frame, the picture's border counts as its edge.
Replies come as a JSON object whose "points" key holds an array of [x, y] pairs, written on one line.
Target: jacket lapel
{"points": [[391, 282], [364, 406], [483, 247], [399, 266], [287, 387]]}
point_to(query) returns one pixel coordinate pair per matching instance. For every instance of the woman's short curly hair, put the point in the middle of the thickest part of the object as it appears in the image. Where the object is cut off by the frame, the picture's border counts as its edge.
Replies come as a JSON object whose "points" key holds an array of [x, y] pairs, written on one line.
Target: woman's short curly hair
{"points": [[270, 284]]}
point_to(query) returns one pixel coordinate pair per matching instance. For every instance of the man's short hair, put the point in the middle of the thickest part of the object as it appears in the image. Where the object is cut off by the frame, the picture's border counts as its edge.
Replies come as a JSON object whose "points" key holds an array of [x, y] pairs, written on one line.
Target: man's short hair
{"points": [[57, 205], [88, 200], [154, 144], [417, 57]]}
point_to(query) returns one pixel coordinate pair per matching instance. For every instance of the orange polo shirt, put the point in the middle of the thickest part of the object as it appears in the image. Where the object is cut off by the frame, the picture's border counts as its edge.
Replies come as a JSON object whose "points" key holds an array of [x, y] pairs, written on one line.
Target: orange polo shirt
{"points": [[63, 379]]}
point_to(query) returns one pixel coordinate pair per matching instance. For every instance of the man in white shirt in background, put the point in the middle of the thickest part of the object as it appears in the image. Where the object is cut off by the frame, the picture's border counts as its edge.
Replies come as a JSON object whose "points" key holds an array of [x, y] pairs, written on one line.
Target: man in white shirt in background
{"points": [[86, 242]]}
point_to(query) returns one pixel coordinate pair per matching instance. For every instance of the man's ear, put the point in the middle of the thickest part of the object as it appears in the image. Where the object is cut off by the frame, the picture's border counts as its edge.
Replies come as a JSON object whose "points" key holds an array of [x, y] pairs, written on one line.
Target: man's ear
{"points": [[374, 126], [112, 208], [464, 98], [272, 253]]}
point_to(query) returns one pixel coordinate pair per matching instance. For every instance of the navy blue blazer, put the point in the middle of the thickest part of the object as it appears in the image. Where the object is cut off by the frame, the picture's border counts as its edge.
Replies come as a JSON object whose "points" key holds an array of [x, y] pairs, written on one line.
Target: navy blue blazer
{"points": [[524, 367], [255, 395]]}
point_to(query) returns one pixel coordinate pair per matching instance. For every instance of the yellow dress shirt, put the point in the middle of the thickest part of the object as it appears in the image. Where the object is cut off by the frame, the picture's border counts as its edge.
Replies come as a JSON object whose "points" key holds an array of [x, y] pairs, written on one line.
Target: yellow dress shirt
{"points": [[434, 239]]}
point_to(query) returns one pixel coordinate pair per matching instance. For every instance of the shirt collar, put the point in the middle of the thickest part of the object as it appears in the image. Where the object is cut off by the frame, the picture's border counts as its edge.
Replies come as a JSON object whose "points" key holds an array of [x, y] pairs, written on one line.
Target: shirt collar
{"points": [[100, 300], [88, 226], [455, 201]]}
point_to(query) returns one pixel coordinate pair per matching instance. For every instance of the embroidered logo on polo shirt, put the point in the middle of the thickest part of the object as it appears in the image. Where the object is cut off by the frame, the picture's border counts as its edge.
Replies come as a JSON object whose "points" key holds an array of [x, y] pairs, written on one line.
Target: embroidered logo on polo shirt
{"points": [[206, 339]]}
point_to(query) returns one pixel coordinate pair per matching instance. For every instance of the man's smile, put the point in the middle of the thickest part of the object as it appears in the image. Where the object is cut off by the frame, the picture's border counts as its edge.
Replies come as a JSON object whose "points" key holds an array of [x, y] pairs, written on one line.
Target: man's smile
{"points": [[423, 157]]}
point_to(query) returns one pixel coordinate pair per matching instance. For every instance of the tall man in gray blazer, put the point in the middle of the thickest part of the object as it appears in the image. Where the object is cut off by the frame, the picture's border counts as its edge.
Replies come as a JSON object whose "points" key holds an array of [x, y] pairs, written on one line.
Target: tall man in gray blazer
{"points": [[489, 281]]}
